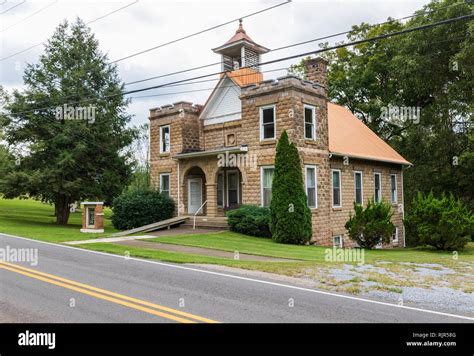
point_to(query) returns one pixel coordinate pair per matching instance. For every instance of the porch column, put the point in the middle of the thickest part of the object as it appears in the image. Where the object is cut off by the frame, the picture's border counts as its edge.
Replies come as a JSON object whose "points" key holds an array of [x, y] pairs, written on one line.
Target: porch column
{"points": [[211, 196]]}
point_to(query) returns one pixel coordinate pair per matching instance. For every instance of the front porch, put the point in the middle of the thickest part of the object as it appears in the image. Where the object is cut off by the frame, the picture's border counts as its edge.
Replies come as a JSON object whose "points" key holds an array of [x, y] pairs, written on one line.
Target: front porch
{"points": [[206, 189]]}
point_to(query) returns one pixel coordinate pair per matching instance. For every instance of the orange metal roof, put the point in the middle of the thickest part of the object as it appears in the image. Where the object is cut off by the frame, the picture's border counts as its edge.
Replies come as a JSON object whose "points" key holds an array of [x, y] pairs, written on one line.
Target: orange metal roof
{"points": [[245, 76], [240, 34], [350, 137]]}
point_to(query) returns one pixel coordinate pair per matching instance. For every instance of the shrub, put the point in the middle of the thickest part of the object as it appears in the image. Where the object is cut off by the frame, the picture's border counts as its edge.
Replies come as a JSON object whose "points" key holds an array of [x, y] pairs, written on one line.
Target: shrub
{"points": [[371, 225], [290, 217], [444, 223], [250, 220], [140, 207]]}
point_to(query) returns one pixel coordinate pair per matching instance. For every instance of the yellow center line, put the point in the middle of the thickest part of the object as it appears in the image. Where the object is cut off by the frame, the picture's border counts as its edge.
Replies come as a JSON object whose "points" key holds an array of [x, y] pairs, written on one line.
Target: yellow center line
{"points": [[106, 295]]}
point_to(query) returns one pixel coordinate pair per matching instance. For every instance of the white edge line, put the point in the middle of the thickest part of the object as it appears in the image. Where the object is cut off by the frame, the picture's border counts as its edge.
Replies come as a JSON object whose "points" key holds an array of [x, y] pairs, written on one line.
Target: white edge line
{"points": [[245, 278]]}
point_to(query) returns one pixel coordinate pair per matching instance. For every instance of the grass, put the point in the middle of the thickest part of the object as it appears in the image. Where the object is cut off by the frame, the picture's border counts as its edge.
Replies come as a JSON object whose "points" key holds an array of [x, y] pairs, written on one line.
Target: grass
{"points": [[230, 241], [33, 219], [177, 257]]}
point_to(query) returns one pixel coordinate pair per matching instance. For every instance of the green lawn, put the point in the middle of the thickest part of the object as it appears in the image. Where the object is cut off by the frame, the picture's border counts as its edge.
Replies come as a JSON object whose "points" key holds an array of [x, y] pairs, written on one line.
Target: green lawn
{"points": [[33, 219], [230, 241]]}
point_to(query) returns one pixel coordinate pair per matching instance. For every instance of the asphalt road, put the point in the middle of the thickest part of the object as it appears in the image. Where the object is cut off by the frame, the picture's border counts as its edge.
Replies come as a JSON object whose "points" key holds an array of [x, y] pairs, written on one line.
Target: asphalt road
{"points": [[72, 285]]}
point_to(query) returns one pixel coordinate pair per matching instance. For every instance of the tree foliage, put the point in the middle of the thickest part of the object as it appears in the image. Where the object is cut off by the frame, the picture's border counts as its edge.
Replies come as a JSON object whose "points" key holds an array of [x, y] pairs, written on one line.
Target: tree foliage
{"points": [[432, 70], [140, 207], [290, 217], [444, 223], [250, 220], [371, 225], [66, 160]]}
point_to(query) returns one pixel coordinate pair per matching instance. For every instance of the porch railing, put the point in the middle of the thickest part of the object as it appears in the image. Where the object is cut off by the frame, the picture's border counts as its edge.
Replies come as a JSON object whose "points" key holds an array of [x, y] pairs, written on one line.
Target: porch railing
{"points": [[197, 211]]}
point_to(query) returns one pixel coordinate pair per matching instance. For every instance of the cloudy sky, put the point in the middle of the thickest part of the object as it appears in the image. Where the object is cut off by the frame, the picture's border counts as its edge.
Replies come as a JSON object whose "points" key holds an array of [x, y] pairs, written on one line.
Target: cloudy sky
{"points": [[146, 24]]}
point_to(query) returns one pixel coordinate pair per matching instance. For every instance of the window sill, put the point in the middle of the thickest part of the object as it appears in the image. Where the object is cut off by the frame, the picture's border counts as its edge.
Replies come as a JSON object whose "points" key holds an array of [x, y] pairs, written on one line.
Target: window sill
{"points": [[268, 142], [337, 208], [310, 142], [164, 154]]}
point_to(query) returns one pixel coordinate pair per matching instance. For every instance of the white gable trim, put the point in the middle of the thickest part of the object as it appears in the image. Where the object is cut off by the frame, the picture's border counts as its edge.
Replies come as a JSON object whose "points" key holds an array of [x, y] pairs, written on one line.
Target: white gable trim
{"points": [[224, 103]]}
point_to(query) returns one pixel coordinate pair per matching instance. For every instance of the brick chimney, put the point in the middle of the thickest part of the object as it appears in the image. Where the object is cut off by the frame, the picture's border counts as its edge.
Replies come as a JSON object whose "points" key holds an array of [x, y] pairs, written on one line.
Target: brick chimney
{"points": [[316, 71]]}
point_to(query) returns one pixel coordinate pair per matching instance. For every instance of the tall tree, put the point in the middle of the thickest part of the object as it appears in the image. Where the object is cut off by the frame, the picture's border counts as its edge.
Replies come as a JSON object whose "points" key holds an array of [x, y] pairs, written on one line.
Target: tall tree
{"points": [[432, 70], [290, 217], [71, 115]]}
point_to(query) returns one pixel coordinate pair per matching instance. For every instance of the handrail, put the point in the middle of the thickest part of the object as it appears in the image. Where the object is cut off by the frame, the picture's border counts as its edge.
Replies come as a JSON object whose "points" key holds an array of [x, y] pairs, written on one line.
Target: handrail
{"points": [[194, 222]]}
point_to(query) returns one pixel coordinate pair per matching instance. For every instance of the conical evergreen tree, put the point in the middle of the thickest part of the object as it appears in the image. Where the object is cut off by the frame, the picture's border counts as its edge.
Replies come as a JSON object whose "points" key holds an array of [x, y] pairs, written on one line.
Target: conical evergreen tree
{"points": [[290, 217]]}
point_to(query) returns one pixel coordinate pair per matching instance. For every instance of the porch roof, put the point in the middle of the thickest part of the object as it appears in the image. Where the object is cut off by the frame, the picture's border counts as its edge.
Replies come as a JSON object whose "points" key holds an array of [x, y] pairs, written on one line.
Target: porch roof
{"points": [[233, 149]]}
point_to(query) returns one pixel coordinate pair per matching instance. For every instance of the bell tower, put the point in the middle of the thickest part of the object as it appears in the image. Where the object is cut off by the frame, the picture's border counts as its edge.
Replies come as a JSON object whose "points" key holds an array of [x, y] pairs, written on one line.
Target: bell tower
{"points": [[240, 51]]}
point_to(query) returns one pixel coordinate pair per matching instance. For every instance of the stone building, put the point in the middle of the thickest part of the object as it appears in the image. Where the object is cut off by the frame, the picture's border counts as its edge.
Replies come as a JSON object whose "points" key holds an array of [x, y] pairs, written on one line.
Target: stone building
{"points": [[214, 157]]}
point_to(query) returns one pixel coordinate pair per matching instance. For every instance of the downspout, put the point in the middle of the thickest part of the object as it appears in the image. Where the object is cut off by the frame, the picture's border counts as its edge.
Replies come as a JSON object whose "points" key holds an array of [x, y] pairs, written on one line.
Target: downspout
{"points": [[403, 204], [179, 185]]}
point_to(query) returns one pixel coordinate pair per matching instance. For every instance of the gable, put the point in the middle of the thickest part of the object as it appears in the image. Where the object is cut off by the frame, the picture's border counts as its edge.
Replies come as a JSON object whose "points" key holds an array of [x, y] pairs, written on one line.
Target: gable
{"points": [[224, 103]]}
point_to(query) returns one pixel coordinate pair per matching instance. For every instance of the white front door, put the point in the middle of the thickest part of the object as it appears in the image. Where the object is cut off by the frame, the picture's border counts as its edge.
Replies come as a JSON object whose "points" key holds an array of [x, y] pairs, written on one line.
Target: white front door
{"points": [[195, 195]]}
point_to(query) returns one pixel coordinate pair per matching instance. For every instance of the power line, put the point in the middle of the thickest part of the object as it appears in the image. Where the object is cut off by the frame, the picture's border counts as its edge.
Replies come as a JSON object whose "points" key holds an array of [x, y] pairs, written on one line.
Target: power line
{"points": [[113, 12], [87, 23], [11, 8], [29, 16], [200, 32], [378, 24], [305, 54], [297, 44]]}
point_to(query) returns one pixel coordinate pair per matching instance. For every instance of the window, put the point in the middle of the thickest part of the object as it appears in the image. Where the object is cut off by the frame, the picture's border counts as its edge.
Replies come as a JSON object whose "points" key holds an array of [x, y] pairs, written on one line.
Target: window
{"points": [[266, 176], [395, 235], [164, 139], [267, 122], [220, 190], [232, 188], [393, 188], [165, 184], [336, 188], [311, 186], [358, 195], [309, 122], [337, 241], [377, 190]]}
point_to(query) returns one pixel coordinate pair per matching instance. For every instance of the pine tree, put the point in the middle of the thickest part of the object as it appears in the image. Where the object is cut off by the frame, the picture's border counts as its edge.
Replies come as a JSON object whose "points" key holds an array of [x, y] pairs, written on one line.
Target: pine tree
{"points": [[290, 217], [69, 157]]}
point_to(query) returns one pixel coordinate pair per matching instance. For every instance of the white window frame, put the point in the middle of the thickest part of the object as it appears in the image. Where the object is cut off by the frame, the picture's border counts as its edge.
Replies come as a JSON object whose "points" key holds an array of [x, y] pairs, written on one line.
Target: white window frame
{"points": [[227, 185], [169, 182], [262, 168], [395, 240], [306, 167], [261, 122], [313, 120], [380, 187], [361, 187], [341, 241], [332, 188], [223, 189], [162, 137], [394, 201]]}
